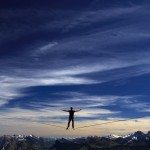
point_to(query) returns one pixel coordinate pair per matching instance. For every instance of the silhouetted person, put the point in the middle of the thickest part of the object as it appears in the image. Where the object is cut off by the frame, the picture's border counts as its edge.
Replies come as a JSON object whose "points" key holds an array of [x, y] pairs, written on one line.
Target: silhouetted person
{"points": [[71, 116]]}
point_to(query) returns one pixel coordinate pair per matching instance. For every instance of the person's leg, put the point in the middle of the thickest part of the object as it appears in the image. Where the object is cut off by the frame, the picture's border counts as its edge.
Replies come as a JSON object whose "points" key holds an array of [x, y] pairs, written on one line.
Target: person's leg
{"points": [[68, 123], [73, 123]]}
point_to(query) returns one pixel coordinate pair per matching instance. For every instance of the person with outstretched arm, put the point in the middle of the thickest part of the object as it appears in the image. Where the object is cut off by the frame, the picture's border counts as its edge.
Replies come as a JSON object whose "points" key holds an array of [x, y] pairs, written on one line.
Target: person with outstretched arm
{"points": [[71, 116]]}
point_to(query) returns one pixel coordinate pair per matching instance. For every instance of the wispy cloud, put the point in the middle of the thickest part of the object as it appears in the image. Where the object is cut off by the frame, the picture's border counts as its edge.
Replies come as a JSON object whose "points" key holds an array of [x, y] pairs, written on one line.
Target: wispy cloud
{"points": [[12, 85], [139, 106], [93, 107], [89, 17], [44, 49]]}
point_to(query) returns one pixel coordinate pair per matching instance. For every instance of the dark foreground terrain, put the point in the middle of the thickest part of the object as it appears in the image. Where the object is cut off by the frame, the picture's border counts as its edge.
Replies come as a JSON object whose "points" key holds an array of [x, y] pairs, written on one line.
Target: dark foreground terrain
{"points": [[135, 141]]}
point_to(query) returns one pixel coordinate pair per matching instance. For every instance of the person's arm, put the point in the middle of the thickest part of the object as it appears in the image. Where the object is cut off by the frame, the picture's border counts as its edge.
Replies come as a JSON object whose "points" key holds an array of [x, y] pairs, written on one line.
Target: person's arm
{"points": [[65, 110], [77, 110]]}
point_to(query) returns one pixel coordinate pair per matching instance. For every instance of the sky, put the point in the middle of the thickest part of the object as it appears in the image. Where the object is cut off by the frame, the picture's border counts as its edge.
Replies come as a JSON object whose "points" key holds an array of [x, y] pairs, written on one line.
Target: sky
{"points": [[92, 55]]}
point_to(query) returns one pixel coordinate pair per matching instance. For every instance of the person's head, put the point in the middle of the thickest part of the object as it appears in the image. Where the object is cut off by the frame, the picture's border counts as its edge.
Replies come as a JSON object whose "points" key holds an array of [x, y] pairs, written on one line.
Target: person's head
{"points": [[71, 108]]}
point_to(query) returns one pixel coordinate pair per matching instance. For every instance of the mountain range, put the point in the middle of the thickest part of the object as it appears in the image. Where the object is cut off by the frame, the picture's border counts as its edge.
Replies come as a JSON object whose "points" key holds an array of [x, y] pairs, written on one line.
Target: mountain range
{"points": [[134, 141]]}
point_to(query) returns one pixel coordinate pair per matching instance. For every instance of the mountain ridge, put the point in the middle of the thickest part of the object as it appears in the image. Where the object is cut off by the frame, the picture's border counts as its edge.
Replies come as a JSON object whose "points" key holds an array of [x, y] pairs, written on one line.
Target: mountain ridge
{"points": [[134, 141]]}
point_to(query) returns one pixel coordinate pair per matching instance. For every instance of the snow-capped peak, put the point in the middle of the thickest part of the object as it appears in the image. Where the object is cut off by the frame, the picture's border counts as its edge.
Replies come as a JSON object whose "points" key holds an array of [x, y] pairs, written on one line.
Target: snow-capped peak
{"points": [[113, 136]]}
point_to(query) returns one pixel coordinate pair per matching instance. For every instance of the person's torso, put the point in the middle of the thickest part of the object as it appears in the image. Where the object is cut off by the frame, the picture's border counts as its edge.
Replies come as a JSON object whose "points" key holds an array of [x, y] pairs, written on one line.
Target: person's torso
{"points": [[71, 113]]}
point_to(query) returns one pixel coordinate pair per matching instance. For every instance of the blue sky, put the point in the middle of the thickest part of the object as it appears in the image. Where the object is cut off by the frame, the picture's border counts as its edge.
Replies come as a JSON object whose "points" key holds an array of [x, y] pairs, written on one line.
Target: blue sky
{"points": [[88, 54]]}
